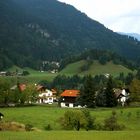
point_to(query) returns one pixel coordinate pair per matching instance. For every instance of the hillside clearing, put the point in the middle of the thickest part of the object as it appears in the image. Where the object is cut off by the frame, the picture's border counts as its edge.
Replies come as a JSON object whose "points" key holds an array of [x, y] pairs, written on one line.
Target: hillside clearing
{"points": [[95, 69]]}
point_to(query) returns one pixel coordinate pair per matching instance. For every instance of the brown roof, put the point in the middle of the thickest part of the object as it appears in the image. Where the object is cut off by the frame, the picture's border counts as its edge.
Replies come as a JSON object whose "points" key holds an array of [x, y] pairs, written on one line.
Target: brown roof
{"points": [[118, 92], [22, 87], [70, 93], [53, 91]]}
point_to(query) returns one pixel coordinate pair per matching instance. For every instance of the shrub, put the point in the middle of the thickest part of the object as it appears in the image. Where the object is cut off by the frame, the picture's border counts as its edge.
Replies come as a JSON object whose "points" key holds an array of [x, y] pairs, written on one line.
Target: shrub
{"points": [[111, 123], [76, 119], [48, 127], [28, 127], [25, 73]]}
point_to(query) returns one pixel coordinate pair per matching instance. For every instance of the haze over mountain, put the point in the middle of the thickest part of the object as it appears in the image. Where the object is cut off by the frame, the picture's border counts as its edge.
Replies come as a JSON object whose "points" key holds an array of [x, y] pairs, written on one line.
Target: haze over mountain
{"points": [[135, 35], [32, 31]]}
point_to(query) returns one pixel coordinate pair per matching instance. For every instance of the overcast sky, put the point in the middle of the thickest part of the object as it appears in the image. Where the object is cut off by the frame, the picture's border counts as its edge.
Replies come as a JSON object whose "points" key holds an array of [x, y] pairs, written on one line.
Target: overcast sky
{"points": [[118, 15]]}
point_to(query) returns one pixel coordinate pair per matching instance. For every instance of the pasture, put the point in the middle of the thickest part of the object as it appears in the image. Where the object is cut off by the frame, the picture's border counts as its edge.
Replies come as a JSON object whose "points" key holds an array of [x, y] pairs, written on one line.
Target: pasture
{"points": [[41, 116], [71, 135], [74, 68], [95, 69]]}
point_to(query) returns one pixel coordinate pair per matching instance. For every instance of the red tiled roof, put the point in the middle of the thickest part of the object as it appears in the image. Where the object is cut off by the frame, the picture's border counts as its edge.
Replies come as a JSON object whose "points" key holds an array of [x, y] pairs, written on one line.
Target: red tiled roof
{"points": [[70, 93], [22, 87]]}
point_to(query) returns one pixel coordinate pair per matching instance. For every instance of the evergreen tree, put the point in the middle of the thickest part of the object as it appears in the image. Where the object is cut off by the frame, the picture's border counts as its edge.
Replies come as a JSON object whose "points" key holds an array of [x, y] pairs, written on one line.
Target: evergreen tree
{"points": [[138, 74], [87, 93], [101, 98], [111, 100], [135, 90], [129, 78]]}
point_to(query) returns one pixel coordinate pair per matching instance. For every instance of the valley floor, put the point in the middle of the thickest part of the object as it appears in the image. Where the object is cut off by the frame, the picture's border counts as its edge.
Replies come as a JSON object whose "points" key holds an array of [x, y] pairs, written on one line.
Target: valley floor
{"points": [[71, 135], [41, 116]]}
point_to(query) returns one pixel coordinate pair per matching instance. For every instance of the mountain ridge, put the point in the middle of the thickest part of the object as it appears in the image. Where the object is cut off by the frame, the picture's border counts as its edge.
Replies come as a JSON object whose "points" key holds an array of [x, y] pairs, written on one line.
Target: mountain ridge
{"points": [[36, 30], [135, 35]]}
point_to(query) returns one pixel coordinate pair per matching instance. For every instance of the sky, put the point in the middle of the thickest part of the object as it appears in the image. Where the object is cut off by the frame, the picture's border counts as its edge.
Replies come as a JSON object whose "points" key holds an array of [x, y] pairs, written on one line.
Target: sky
{"points": [[117, 15]]}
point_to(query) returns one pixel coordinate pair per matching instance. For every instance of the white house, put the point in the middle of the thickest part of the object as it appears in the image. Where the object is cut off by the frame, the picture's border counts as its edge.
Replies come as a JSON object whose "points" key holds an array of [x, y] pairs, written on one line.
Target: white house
{"points": [[125, 96], [46, 97], [122, 95]]}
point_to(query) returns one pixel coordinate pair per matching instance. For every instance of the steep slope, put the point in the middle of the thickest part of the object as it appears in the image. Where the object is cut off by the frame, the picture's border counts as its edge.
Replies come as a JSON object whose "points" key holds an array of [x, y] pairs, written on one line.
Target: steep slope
{"points": [[32, 31]]}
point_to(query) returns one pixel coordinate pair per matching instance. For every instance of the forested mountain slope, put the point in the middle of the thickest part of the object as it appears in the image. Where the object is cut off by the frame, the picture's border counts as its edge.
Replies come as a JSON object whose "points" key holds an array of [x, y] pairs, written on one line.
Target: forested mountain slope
{"points": [[32, 31]]}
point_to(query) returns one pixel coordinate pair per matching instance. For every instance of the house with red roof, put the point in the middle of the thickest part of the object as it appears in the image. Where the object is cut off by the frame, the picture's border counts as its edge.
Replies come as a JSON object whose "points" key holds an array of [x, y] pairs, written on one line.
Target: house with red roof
{"points": [[68, 98]]}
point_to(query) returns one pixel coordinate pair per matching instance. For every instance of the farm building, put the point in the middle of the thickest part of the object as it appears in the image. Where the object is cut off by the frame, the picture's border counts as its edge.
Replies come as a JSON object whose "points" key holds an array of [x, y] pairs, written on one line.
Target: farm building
{"points": [[69, 98]]}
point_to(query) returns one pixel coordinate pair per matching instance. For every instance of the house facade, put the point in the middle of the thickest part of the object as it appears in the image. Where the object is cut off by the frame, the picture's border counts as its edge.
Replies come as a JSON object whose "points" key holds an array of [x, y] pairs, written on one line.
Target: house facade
{"points": [[68, 98], [45, 95], [122, 95]]}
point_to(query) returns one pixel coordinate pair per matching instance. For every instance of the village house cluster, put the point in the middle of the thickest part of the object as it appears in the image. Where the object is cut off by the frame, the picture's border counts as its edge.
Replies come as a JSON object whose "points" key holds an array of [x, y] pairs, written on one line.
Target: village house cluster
{"points": [[68, 97]]}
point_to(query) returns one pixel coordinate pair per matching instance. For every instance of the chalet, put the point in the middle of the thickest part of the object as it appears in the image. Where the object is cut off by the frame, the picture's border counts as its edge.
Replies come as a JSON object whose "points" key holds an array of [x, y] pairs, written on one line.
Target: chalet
{"points": [[122, 95], [45, 95], [69, 98]]}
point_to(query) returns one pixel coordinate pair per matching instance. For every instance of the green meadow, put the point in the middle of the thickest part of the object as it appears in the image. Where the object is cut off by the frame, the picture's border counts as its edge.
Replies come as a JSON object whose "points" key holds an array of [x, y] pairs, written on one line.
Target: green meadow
{"points": [[95, 69], [41, 116], [71, 135], [74, 68]]}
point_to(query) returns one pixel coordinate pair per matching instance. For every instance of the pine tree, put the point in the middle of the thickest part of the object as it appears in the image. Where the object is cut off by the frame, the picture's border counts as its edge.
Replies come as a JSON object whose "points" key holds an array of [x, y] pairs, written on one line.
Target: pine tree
{"points": [[111, 99], [87, 93]]}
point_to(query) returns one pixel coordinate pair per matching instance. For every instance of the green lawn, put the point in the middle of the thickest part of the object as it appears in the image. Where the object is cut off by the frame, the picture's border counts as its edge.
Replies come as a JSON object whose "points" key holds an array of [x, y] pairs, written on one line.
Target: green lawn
{"points": [[71, 135]]}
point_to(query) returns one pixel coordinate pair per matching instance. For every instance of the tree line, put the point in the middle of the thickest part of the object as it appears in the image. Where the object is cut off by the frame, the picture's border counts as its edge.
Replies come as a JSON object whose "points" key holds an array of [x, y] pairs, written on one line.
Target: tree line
{"points": [[102, 56], [9, 96]]}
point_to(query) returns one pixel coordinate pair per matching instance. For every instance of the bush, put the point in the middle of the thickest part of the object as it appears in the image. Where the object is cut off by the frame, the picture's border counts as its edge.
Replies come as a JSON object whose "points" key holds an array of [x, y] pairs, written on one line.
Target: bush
{"points": [[25, 73], [28, 127], [111, 123], [76, 119], [48, 127]]}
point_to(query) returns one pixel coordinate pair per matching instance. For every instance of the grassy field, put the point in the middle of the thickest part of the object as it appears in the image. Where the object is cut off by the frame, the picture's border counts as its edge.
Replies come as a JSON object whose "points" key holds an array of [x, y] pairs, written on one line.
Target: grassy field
{"points": [[95, 69], [71, 135], [41, 116], [71, 69], [34, 77]]}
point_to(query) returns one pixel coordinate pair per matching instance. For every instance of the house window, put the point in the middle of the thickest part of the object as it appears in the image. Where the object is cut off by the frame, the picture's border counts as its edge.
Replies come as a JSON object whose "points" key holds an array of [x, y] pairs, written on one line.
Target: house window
{"points": [[50, 98], [67, 104]]}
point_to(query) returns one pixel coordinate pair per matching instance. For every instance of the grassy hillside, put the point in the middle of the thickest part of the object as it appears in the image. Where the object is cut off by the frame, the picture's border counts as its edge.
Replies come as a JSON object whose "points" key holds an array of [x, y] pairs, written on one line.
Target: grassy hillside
{"points": [[95, 68], [71, 69]]}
